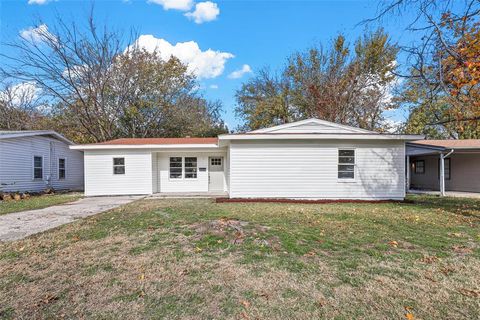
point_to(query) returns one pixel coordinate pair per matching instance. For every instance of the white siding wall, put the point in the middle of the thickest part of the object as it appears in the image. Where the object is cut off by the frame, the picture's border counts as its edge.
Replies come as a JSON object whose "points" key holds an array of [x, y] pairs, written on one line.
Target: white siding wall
{"points": [[100, 179], [185, 185], [16, 164], [307, 169]]}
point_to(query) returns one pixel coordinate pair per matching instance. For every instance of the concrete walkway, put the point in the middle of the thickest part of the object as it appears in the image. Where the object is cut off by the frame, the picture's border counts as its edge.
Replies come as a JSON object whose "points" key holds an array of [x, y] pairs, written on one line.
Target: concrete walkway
{"points": [[18, 225], [455, 194]]}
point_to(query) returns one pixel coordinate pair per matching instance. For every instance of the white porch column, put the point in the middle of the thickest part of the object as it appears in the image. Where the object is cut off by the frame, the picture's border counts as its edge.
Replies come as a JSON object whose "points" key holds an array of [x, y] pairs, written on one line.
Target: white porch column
{"points": [[442, 175], [408, 173]]}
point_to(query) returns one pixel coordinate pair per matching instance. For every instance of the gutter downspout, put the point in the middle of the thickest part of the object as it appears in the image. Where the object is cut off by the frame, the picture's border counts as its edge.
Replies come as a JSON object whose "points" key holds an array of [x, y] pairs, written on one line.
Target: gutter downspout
{"points": [[442, 171]]}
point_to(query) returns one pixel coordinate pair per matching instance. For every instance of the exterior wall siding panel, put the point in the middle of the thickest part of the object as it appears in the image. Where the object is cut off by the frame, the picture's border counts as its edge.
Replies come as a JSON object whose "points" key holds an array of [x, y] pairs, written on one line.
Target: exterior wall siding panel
{"points": [[306, 169], [138, 178]]}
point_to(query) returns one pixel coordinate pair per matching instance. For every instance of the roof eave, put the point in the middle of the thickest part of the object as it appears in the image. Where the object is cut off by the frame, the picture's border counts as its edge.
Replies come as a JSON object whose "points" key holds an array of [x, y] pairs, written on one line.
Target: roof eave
{"points": [[321, 136], [142, 146], [37, 133]]}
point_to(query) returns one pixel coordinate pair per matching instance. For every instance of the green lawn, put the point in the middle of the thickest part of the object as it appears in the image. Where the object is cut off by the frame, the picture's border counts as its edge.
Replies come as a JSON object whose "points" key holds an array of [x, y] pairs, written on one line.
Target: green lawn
{"points": [[195, 259], [37, 202]]}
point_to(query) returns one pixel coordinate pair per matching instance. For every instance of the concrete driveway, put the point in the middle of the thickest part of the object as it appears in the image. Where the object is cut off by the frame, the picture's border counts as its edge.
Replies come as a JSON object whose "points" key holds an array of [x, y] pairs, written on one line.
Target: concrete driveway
{"points": [[18, 225]]}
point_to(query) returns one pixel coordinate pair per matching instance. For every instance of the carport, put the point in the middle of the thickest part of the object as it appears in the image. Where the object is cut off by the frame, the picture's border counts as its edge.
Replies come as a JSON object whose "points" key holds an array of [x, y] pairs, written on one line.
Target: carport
{"points": [[443, 165]]}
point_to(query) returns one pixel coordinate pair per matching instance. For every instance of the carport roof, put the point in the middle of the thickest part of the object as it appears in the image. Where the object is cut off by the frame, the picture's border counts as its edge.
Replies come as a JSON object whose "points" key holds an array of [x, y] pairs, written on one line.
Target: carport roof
{"points": [[449, 144]]}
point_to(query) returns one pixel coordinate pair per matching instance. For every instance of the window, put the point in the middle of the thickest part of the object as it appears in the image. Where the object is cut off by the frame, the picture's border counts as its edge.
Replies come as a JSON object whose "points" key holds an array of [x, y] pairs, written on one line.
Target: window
{"points": [[216, 161], [61, 168], [118, 165], [419, 166], [190, 168], [446, 167], [346, 164], [37, 167], [175, 167]]}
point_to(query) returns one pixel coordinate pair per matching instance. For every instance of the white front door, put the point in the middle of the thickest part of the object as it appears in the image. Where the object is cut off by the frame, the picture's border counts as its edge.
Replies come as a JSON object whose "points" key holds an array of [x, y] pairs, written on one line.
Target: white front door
{"points": [[215, 174]]}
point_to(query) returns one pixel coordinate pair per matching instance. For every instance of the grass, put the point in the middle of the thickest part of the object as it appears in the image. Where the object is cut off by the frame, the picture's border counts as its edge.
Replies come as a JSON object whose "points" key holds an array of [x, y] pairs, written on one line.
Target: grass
{"points": [[37, 202], [195, 259]]}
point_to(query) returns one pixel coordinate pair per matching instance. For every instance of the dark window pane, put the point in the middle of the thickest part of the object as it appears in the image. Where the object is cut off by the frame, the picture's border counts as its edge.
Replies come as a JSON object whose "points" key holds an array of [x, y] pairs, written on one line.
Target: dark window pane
{"points": [[346, 153], [118, 161], [345, 175], [346, 167], [119, 170], [175, 164], [61, 163], [175, 159], [346, 160], [175, 173], [61, 174], [38, 173], [37, 162], [190, 175]]}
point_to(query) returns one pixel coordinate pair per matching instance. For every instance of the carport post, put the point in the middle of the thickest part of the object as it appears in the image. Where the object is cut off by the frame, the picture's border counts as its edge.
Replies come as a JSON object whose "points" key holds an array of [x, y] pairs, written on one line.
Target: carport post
{"points": [[408, 174], [442, 171], [442, 175]]}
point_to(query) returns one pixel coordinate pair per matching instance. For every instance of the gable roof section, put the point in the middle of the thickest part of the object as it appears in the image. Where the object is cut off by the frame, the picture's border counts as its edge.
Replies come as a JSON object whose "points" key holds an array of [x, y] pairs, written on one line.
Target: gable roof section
{"points": [[5, 134], [312, 125]]}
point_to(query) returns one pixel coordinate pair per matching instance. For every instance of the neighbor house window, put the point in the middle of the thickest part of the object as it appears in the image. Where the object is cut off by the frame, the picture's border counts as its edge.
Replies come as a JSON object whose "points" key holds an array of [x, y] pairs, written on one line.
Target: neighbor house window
{"points": [[175, 167], [37, 167], [118, 165], [419, 166], [346, 164], [190, 167], [61, 168]]}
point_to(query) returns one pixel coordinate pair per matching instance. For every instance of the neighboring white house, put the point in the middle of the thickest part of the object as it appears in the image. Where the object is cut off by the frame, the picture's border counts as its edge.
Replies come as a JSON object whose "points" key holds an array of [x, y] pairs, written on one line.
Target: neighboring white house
{"points": [[34, 160], [309, 159]]}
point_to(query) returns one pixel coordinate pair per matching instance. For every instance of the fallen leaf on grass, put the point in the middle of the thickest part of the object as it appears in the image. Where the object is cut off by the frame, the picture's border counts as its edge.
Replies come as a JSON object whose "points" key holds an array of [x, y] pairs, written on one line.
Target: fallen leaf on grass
{"points": [[309, 254], [469, 292], [447, 270], [245, 303], [462, 249], [409, 316], [408, 313], [48, 298], [393, 243], [430, 259], [198, 249]]}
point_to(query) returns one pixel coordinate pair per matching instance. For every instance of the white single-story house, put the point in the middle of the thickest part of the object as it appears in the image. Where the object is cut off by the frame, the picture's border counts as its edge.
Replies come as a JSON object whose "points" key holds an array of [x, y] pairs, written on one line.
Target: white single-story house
{"points": [[39, 159], [460, 170], [309, 159]]}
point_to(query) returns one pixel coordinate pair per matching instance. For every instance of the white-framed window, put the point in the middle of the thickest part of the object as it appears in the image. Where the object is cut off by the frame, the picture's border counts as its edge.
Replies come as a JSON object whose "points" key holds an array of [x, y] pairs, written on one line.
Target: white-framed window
{"points": [[118, 165], [190, 167], [62, 168], [37, 167], [346, 164], [183, 167], [175, 167]]}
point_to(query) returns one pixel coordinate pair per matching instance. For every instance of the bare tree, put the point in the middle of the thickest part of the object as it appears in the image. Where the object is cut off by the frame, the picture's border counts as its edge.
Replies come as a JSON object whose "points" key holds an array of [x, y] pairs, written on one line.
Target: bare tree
{"points": [[72, 66]]}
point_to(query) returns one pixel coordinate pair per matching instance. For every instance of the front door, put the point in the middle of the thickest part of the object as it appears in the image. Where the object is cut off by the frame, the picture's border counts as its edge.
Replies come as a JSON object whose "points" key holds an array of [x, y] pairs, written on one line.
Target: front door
{"points": [[215, 174]]}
